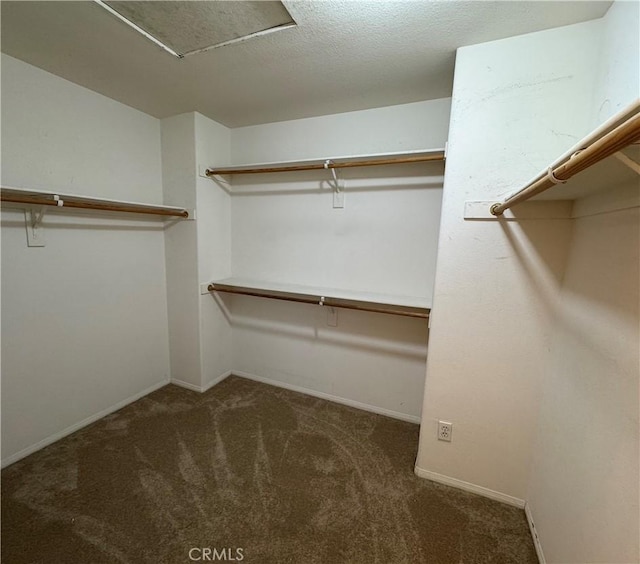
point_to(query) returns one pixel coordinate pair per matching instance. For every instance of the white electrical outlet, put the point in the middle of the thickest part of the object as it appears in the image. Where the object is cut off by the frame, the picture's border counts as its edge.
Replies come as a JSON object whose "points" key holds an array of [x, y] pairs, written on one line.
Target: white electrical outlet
{"points": [[445, 430]]}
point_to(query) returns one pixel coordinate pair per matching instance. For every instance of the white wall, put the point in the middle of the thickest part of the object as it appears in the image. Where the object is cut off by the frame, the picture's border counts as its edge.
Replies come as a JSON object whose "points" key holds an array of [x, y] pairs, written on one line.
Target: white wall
{"points": [[197, 251], [517, 104], [285, 229], [534, 345], [371, 361], [84, 319], [585, 474], [181, 250], [213, 146], [618, 79], [584, 486], [405, 127]]}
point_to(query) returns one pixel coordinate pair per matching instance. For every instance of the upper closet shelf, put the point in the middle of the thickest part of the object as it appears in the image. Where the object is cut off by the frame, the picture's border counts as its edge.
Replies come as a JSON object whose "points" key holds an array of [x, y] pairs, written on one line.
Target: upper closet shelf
{"points": [[346, 299], [61, 201], [333, 162], [611, 153]]}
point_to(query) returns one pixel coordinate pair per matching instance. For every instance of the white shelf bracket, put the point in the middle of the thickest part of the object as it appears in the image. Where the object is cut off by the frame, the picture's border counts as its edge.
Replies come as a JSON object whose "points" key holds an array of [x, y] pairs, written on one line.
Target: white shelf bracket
{"points": [[332, 317], [35, 232], [337, 184], [624, 159]]}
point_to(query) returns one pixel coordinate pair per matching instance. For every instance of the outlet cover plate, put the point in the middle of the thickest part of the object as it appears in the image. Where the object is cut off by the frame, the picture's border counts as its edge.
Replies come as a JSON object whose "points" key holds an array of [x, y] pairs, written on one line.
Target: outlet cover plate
{"points": [[445, 430]]}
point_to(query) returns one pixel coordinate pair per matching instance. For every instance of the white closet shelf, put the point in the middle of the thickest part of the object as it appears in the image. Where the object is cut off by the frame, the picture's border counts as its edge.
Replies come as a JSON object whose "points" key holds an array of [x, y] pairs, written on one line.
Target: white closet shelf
{"points": [[604, 159], [346, 299], [21, 197], [604, 175], [407, 157]]}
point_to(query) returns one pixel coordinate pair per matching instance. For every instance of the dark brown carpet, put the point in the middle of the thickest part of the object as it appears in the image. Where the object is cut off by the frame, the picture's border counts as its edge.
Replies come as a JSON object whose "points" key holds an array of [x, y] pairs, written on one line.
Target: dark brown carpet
{"points": [[282, 476]]}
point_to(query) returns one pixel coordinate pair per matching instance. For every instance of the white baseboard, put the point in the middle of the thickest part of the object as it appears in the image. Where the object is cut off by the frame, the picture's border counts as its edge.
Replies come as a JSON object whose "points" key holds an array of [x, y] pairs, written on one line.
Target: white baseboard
{"points": [[76, 426], [330, 397], [534, 534], [201, 389], [469, 487], [217, 380], [186, 385]]}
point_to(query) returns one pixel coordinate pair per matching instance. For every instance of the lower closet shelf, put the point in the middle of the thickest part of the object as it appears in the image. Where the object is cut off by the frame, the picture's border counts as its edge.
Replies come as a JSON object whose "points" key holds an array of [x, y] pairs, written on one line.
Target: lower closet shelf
{"points": [[345, 299]]}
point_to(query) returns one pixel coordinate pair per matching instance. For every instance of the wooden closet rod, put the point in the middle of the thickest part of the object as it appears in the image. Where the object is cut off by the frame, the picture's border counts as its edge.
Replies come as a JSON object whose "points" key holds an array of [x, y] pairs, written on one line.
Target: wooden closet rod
{"points": [[435, 156], [625, 134], [78, 202], [360, 305]]}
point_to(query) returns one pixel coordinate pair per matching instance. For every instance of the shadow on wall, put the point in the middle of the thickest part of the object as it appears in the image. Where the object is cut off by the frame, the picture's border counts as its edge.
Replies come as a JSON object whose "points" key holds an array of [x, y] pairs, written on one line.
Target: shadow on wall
{"points": [[542, 253], [93, 221], [605, 270], [325, 187], [605, 261], [369, 332]]}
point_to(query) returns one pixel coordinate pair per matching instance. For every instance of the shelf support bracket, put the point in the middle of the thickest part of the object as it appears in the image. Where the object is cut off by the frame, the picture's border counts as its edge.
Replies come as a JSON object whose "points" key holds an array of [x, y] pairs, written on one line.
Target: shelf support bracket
{"points": [[624, 159], [35, 231], [337, 184]]}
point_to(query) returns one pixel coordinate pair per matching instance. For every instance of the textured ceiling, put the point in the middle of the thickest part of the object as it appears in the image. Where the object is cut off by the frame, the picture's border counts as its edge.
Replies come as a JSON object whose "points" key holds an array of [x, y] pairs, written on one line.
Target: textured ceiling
{"points": [[342, 56]]}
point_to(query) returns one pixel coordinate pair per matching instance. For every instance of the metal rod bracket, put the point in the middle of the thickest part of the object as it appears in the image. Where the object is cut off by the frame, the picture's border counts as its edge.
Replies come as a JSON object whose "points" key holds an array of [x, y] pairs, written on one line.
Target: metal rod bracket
{"points": [[494, 210]]}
